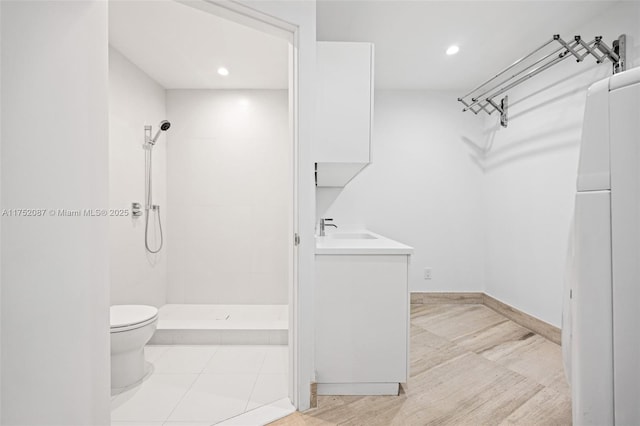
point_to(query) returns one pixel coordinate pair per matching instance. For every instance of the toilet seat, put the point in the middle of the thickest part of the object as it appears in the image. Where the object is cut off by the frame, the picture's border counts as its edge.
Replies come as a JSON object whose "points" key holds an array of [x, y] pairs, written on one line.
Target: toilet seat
{"points": [[130, 317]]}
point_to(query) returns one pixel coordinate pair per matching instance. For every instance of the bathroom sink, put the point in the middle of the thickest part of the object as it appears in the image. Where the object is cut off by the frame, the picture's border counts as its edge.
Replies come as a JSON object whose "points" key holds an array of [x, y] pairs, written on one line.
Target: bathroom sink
{"points": [[352, 236]]}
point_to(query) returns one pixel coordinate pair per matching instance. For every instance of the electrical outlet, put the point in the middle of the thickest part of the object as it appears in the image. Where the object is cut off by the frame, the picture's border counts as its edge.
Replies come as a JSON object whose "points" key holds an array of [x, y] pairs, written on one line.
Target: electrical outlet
{"points": [[427, 273]]}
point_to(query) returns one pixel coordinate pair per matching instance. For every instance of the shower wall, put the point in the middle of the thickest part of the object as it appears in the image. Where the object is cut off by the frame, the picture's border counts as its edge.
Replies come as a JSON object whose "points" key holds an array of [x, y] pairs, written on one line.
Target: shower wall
{"points": [[229, 196], [137, 277]]}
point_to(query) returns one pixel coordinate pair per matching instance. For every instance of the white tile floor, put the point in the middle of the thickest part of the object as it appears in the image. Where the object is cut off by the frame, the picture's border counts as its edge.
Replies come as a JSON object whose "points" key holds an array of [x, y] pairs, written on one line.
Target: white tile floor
{"points": [[203, 385]]}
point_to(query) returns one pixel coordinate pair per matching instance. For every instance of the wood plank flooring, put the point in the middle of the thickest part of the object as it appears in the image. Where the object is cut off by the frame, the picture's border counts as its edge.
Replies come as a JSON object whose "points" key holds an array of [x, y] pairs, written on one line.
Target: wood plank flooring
{"points": [[469, 366]]}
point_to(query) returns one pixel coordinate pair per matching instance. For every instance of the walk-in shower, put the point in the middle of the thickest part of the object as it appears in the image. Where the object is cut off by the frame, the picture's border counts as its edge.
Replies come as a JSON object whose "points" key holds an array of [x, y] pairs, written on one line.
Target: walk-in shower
{"points": [[149, 143], [224, 166]]}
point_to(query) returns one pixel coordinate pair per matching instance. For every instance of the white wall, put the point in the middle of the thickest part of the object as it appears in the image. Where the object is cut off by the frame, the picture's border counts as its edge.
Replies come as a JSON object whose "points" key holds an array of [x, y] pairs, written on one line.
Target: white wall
{"points": [[530, 173], [55, 270], [422, 189], [230, 174], [137, 277]]}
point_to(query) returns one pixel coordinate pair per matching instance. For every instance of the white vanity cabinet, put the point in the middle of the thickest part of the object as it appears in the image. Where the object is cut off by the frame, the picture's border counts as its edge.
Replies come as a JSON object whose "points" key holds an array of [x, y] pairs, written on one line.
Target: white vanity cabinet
{"points": [[362, 320], [344, 110]]}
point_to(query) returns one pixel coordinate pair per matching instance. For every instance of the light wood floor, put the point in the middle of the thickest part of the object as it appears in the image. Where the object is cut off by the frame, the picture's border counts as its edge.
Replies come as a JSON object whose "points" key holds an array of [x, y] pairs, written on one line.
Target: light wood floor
{"points": [[469, 366]]}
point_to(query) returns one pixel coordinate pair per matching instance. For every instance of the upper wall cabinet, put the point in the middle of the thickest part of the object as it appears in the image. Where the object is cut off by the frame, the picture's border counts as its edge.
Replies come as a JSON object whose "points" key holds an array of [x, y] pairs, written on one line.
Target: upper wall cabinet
{"points": [[345, 109]]}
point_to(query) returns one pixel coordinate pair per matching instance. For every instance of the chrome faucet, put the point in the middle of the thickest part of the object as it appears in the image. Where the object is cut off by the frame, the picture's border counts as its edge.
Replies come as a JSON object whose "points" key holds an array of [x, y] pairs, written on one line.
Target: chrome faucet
{"points": [[323, 224]]}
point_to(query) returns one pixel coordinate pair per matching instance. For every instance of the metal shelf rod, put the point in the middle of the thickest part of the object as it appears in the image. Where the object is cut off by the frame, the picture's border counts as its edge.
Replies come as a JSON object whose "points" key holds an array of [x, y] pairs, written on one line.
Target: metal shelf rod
{"points": [[576, 48], [532, 73], [529, 75], [510, 66], [480, 96]]}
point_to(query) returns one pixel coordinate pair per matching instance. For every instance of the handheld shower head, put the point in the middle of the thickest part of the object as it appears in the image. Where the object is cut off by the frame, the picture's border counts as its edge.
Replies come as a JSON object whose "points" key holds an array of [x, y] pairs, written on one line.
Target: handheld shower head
{"points": [[164, 126]]}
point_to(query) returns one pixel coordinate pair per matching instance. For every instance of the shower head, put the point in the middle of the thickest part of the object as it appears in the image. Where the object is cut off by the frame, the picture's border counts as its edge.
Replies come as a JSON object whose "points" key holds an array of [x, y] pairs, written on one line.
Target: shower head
{"points": [[164, 126]]}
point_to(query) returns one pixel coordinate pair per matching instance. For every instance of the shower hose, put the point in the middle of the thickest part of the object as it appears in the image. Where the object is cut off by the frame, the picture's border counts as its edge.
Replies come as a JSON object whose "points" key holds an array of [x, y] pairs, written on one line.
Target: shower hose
{"points": [[149, 207]]}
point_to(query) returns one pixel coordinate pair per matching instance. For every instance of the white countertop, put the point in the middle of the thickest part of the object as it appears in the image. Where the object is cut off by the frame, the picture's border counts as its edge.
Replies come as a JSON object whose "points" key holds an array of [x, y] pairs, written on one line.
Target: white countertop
{"points": [[341, 243]]}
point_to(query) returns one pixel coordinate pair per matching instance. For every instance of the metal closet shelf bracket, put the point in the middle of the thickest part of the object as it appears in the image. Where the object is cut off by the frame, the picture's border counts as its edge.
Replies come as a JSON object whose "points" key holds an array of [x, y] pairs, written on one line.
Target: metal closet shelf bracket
{"points": [[485, 96]]}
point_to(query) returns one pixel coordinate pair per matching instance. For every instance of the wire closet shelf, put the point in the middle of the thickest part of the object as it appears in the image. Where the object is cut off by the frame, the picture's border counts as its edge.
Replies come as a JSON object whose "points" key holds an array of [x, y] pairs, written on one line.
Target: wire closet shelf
{"points": [[486, 97]]}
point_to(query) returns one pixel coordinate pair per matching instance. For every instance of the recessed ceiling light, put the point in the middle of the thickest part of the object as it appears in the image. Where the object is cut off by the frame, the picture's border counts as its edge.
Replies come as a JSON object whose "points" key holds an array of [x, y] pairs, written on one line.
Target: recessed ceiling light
{"points": [[223, 71], [452, 50]]}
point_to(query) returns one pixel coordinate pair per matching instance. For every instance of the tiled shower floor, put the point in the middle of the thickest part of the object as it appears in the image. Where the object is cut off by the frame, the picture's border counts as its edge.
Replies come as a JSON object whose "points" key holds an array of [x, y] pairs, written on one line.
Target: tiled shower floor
{"points": [[203, 385], [192, 324]]}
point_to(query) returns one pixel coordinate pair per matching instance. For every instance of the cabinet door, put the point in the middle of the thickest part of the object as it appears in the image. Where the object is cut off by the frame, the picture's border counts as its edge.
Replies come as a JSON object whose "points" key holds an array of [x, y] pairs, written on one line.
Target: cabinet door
{"points": [[361, 316], [345, 102]]}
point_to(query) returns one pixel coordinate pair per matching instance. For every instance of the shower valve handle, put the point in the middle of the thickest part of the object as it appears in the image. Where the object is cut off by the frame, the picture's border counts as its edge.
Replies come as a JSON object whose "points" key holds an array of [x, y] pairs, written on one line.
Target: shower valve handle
{"points": [[136, 209]]}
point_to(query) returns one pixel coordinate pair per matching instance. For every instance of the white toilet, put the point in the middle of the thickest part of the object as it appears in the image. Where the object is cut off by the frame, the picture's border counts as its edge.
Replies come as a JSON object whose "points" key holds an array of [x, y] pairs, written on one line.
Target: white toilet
{"points": [[131, 328]]}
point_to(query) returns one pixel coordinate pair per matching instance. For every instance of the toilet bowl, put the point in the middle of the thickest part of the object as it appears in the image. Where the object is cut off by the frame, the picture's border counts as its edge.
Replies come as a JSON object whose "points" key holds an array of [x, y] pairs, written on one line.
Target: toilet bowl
{"points": [[131, 328]]}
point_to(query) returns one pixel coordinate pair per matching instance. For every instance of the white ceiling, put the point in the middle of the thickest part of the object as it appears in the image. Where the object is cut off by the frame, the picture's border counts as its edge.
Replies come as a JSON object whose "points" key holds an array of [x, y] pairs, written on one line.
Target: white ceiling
{"points": [[411, 36], [182, 48]]}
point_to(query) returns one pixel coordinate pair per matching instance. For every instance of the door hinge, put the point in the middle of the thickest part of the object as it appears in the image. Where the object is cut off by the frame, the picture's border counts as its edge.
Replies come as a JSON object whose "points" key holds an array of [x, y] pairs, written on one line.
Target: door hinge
{"points": [[296, 239]]}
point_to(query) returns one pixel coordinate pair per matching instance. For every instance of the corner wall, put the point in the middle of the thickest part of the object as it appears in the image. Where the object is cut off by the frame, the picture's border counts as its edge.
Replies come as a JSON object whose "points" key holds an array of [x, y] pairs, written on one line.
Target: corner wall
{"points": [[135, 100], [421, 189], [531, 169], [55, 269]]}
